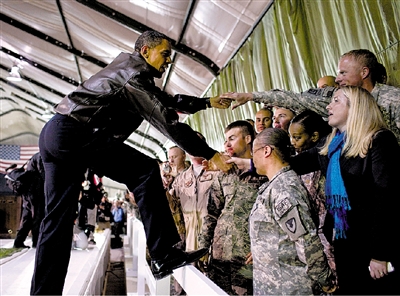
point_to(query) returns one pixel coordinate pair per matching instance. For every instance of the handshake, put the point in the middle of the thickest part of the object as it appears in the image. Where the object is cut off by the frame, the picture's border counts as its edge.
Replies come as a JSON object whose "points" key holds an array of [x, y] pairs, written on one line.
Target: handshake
{"points": [[218, 162]]}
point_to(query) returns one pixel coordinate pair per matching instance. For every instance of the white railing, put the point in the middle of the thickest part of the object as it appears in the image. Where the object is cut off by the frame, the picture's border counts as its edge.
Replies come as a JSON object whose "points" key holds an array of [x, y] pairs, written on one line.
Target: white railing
{"points": [[190, 278], [96, 276]]}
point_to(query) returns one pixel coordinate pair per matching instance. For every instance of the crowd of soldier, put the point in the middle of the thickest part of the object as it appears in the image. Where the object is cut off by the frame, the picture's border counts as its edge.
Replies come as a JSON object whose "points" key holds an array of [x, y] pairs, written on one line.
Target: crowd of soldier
{"points": [[215, 209]]}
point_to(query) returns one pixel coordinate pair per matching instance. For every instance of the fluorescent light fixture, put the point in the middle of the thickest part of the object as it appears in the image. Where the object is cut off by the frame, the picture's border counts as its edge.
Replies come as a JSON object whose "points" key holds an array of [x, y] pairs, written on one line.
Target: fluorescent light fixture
{"points": [[14, 74], [47, 114]]}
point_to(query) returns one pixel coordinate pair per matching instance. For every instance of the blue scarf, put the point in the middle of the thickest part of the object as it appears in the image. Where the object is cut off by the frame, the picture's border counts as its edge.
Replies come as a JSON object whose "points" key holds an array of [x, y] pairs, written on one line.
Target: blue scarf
{"points": [[336, 196]]}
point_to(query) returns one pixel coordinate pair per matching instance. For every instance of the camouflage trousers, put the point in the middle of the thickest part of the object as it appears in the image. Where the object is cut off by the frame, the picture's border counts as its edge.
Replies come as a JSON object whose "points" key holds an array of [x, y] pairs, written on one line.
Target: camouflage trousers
{"points": [[229, 276]]}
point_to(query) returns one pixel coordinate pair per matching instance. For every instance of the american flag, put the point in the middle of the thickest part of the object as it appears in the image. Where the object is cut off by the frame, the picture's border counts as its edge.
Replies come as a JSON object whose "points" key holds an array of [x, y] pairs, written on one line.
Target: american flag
{"points": [[19, 155]]}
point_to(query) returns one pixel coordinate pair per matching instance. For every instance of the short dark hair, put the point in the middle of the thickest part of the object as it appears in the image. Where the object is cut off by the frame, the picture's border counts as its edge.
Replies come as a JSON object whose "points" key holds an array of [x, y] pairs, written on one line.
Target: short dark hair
{"points": [[312, 122], [380, 75], [149, 38], [279, 139], [245, 127]]}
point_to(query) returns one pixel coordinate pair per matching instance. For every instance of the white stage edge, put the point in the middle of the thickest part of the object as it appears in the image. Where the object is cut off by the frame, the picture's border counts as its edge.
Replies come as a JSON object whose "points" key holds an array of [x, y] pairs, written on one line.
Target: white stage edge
{"points": [[140, 280], [86, 270]]}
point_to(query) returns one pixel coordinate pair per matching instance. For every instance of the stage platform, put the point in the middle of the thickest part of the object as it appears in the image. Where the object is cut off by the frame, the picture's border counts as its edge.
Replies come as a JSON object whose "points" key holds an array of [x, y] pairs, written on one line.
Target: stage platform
{"points": [[86, 271]]}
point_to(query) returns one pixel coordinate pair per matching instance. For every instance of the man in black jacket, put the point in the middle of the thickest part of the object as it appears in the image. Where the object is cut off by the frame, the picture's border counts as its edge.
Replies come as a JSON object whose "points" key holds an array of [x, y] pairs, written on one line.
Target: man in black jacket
{"points": [[89, 130], [33, 203]]}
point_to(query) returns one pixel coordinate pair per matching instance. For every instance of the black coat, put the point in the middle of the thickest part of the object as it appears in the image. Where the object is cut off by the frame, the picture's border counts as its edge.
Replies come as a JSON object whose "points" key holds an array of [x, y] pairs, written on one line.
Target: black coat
{"points": [[372, 185], [117, 99]]}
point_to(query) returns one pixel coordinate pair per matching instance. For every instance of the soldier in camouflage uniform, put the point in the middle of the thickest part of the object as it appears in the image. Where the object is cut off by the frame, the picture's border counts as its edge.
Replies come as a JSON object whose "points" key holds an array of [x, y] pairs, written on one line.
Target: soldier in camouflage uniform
{"points": [[356, 68], [287, 253], [225, 227]]}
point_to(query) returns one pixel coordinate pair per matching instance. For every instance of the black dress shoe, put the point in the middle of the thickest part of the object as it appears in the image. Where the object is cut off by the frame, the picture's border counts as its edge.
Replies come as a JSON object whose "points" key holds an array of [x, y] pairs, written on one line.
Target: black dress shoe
{"points": [[20, 246], [174, 259]]}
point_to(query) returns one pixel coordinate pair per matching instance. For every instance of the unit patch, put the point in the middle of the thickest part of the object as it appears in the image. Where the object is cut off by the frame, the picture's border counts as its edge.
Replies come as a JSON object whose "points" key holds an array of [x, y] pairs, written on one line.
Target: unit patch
{"points": [[291, 225]]}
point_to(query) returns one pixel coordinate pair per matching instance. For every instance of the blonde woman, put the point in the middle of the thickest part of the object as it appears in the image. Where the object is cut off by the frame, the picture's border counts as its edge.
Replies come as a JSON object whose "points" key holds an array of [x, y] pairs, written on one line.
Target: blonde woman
{"points": [[360, 159]]}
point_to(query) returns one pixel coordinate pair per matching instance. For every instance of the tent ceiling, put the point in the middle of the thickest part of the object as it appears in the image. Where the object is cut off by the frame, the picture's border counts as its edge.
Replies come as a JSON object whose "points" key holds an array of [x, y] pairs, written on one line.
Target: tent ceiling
{"points": [[58, 44]]}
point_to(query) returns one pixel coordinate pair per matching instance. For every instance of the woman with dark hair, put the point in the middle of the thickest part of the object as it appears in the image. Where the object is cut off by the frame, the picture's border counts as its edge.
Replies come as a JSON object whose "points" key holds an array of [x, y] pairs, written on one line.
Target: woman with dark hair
{"points": [[306, 130]]}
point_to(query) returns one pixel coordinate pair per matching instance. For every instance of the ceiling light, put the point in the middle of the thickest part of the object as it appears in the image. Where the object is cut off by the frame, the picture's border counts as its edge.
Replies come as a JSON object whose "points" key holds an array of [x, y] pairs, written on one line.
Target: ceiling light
{"points": [[47, 114], [14, 74]]}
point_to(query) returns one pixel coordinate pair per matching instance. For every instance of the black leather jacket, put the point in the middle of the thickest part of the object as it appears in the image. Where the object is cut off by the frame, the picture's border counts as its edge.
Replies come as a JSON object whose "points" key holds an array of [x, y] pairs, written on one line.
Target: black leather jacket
{"points": [[118, 98]]}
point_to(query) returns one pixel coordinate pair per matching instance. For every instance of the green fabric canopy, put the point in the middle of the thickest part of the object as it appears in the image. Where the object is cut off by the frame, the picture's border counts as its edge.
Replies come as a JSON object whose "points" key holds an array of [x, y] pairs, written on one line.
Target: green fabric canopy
{"points": [[296, 43]]}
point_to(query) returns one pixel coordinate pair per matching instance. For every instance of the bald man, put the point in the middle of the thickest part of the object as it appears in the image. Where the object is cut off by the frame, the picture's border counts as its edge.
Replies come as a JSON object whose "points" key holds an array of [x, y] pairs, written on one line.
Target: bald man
{"points": [[176, 158], [326, 81], [263, 119]]}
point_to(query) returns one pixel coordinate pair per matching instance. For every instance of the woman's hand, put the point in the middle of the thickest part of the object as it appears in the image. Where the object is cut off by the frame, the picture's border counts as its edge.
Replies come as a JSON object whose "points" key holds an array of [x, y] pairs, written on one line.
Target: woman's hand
{"points": [[377, 269]]}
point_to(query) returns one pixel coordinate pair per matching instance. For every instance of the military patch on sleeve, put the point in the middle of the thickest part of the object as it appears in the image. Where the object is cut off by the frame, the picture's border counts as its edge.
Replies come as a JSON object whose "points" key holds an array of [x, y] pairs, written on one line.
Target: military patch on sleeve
{"points": [[291, 225], [282, 207]]}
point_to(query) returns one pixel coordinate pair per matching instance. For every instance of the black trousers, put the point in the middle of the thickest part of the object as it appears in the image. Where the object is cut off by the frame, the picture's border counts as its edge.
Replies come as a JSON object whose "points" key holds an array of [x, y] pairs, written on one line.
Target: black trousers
{"points": [[25, 224], [31, 216], [353, 275], [68, 148], [227, 275], [118, 229]]}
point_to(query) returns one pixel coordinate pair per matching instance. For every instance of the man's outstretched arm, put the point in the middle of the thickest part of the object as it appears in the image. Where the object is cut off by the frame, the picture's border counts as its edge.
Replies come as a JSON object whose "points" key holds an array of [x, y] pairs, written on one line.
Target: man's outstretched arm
{"points": [[313, 99]]}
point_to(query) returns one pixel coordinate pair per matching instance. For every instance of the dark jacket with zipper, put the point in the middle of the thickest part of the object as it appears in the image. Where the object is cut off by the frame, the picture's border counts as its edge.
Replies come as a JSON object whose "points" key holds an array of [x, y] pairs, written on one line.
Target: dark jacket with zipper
{"points": [[117, 99]]}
